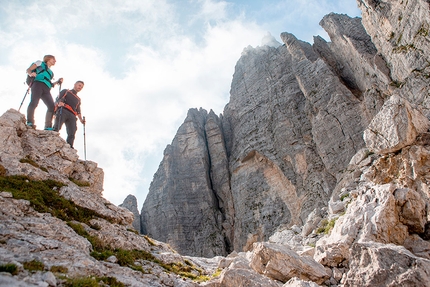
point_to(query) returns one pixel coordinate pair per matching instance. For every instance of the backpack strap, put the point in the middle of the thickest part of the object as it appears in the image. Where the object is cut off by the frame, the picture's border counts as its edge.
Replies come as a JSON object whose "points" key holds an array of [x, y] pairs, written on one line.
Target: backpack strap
{"points": [[70, 108]]}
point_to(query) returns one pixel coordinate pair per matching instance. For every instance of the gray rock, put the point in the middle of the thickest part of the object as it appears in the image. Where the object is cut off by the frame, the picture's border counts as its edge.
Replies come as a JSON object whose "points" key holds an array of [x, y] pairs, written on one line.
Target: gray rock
{"points": [[130, 202], [282, 263], [395, 126], [374, 264], [184, 203]]}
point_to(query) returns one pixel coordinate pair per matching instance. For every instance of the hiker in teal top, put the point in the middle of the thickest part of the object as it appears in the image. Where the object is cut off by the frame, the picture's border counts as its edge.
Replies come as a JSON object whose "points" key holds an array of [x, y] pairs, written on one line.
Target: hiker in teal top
{"points": [[41, 89]]}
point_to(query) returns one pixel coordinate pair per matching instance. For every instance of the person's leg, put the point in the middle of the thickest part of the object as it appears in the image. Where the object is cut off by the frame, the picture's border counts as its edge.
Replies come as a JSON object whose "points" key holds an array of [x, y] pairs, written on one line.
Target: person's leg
{"points": [[71, 128], [49, 102], [36, 93], [59, 119]]}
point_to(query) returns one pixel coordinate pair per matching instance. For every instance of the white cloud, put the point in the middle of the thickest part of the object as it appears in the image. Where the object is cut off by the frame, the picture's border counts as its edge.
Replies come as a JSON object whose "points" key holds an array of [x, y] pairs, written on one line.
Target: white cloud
{"points": [[144, 64]]}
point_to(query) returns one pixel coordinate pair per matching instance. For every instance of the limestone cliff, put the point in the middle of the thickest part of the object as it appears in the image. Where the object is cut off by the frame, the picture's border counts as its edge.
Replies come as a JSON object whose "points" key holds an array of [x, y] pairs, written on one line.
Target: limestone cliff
{"points": [[296, 117]]}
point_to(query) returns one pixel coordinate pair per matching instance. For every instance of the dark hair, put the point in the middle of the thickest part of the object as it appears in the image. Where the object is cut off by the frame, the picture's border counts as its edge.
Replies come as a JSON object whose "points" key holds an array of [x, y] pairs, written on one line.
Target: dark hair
{"points": [[82, 82]]}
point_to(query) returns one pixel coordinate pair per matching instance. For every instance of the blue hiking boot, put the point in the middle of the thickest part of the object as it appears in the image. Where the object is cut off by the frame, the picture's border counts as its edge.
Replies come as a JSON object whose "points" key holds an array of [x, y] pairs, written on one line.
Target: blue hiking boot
{"points": [[49, 129], [30, 125]]}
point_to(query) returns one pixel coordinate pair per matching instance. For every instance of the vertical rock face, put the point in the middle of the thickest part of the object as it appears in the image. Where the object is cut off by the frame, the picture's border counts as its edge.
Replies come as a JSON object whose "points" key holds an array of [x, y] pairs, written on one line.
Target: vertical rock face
{"points": [[182, 207], [400, 32], [130, 202], [296, 117]]}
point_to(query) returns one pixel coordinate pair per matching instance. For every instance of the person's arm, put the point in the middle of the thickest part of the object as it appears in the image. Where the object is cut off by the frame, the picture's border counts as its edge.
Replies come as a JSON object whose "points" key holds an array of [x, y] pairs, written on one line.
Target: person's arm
{"points": [[60, 81], [78, 110], [81, 119], [30, 69], [62, 98]]}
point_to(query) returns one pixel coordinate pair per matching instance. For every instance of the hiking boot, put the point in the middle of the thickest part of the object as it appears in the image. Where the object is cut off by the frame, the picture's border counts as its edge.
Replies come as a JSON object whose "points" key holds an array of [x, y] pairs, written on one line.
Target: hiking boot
{"points": [[30, 125], [49, 129], [48, 119]]}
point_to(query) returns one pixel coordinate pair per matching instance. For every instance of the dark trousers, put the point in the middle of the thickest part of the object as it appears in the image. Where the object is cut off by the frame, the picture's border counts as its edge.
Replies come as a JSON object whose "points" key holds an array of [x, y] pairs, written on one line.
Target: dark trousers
{"points": [[40, 91], [64, 116]]}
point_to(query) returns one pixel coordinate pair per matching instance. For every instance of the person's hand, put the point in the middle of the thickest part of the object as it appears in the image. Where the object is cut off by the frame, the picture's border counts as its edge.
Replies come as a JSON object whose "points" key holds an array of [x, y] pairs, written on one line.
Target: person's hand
{"points": [[83, 121], [61, 104], [60, 80], [32, 74]]}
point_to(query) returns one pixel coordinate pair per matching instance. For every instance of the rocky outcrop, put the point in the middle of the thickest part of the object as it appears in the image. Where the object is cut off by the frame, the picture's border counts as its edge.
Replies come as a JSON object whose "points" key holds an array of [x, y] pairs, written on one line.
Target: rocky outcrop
{"points": [[72, 232], [130, 202], [183, 205], [400, 32], [296, 117], [43, 155]]}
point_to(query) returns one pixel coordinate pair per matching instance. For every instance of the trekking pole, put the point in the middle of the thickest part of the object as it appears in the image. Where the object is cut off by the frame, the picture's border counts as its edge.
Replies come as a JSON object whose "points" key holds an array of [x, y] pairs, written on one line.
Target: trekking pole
{"points": [[28, 90], [59, 119], [85, 144]]}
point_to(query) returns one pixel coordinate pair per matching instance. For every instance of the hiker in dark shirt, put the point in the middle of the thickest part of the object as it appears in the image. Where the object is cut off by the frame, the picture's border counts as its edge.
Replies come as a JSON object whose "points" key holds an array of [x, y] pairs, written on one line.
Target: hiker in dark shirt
{"points": [[69, 107], [41, 89]]}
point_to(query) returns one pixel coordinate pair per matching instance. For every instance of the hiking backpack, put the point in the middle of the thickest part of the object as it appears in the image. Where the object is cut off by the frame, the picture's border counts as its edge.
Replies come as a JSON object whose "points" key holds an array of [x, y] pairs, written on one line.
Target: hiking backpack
{"points": [[38, 70]]}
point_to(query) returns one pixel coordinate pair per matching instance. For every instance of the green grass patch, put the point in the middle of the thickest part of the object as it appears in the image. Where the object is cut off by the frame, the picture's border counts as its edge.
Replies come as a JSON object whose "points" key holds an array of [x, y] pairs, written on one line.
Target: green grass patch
{"points": [[59, 269], [28, 160], [93, 282], [34, 265], [80, 183], [326, 226], [44, 198], [97, 243], [10, 268]]}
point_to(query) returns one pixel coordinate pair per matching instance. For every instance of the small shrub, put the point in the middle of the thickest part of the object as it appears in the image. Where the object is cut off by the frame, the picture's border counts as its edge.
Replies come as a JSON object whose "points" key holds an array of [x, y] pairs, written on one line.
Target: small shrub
{"points": [[128, 257], [28, 160], [34, 265], [102, 255], [93, 282], [217, 273], [344, 196], [10, 268], [326, 226], [59, 269], [97, 243], [82, 282], [80, 183], [2, 170]]}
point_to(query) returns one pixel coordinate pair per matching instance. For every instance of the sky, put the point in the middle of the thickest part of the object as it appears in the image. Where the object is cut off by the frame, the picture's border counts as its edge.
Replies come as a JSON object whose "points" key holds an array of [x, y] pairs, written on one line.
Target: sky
{"points": [[145, 63]]}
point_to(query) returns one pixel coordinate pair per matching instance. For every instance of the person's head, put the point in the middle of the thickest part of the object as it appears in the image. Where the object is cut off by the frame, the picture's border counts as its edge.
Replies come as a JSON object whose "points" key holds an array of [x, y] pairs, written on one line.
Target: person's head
{"points": [[79, 85], [49, 60]]}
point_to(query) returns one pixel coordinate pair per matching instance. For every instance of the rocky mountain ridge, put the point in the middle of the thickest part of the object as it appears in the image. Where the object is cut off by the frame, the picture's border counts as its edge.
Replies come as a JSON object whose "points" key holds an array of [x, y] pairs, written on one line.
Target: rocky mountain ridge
{"points": [[297, 115], [316, 174]]}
